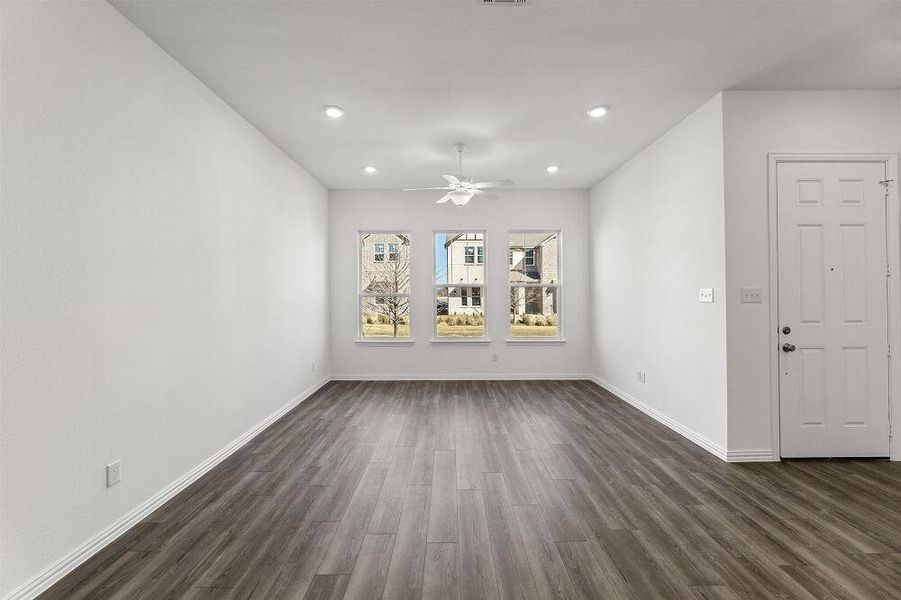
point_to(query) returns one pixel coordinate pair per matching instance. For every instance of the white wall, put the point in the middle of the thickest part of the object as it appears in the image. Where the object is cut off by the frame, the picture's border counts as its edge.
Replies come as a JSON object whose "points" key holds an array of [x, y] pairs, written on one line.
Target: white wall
{"points": [[416, 212], [757, 123], [656, 238], [163, 276]]}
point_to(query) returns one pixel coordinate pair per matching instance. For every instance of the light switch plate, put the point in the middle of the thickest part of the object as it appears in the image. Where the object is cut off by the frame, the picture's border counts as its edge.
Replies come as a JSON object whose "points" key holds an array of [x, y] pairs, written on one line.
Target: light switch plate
{"points": [[751, 295], [705, 295]]}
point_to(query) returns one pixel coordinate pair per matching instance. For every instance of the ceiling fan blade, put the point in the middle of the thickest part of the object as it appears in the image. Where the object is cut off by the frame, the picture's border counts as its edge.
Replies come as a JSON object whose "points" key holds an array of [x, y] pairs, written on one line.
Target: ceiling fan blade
{"points": [[487, 184], [485, 195], [419, 189], [451, 179], [443, 199]]}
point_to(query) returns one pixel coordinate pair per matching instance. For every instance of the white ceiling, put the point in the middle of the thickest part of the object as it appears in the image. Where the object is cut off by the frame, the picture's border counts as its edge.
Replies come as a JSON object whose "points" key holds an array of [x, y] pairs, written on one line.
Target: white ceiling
{"points": [[513, 82]]}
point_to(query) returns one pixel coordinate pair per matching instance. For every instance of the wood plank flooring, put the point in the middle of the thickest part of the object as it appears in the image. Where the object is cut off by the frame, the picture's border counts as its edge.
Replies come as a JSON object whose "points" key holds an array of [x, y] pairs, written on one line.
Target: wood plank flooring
{"points": [[501, 490]]}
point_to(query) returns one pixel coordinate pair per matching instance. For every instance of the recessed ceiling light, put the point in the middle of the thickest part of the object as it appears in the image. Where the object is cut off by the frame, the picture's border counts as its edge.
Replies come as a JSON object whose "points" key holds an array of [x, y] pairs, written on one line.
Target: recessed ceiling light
{"points": [[553, 169], [335, 112], [369, 170], [596, 112]]}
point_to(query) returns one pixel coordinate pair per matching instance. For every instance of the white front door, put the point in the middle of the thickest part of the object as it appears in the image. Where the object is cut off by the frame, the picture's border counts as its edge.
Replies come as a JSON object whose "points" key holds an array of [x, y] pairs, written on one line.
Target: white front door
{"points": [[833, 314]]}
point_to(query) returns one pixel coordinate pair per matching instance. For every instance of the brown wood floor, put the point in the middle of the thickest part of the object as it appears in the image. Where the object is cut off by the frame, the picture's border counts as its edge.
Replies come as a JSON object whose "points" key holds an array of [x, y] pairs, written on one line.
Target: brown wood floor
{"points": [[517, 489]]}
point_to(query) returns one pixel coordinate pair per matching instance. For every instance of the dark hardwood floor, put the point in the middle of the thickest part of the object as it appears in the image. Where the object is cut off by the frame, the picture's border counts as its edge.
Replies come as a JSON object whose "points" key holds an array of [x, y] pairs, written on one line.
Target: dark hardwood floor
{"points": [[519, 489]]}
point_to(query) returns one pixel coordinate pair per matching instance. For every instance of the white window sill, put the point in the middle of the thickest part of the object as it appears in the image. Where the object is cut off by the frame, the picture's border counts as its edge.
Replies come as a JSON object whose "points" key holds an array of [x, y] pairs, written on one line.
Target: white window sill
{"points": [[385, 342], [460, 340], [536, 341]]}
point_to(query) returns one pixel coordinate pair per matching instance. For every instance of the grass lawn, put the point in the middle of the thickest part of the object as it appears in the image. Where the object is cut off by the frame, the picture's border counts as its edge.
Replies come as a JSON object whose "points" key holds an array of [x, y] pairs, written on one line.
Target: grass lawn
{"points": [[533, 331], [445, 330], [385, 330]]}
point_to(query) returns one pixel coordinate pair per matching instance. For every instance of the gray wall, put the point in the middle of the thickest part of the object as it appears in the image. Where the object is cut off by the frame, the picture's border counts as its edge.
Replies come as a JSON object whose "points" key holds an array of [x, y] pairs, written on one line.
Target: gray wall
{"points": [[163, 276]]}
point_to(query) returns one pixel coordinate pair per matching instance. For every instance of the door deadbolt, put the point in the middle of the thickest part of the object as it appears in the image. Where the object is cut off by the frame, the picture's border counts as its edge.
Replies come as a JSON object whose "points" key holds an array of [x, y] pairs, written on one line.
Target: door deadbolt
{"points": [[786, 330]]}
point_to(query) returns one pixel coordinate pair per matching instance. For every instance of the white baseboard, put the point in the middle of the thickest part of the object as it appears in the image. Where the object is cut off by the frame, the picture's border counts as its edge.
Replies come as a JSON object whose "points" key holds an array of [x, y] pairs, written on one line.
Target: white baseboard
{"points": [[38, 584], [691, 434], [457, 377], [734, 456]]}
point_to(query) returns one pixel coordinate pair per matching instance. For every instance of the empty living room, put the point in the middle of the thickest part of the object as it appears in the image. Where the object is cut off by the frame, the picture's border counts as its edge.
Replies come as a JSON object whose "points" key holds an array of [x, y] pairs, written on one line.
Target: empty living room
{"points": [[450, 299]]}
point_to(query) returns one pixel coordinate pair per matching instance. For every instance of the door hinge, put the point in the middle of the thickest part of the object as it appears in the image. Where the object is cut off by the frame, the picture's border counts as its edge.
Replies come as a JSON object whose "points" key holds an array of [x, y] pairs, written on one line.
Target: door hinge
{"points": [[889, 350]]}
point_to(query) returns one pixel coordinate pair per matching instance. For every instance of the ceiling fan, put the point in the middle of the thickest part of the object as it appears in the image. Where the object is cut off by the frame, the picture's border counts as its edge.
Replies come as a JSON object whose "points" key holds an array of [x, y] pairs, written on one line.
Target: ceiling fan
{"points": [[460, 189]]}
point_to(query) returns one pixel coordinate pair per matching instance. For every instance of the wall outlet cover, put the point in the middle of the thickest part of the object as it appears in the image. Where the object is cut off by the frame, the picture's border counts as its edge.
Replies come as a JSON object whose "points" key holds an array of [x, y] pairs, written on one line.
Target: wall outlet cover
{"points": [[113, 473], [705, 295]]}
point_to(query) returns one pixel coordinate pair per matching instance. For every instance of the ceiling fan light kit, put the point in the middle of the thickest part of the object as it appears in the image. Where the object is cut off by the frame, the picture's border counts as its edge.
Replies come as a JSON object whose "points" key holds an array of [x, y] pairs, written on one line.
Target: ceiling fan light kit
{"points": [[461, 190]]}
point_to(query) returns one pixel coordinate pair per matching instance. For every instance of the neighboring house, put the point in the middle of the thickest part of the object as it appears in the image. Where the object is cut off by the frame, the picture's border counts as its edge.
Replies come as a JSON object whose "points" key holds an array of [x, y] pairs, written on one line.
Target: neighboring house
{"points": [[534, 261], [385, 263], [466, 271]]}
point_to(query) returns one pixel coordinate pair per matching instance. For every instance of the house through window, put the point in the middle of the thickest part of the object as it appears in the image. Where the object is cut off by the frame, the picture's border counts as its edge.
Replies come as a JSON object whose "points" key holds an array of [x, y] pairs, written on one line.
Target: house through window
{"points": [[534, 284], [384, 297], [459, 284]]}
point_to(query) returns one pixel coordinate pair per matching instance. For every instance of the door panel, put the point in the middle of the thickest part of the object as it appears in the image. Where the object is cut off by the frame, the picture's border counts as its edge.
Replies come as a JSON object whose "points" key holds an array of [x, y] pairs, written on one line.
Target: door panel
{"points": [[832, 294], [811, 262], [812, 373]]}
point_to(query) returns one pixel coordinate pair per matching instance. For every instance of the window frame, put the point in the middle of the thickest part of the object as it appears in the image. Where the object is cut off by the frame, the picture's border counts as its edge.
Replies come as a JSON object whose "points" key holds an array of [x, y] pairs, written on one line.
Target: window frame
{"points": [[484, 339], [362, 295], [557, 285]]}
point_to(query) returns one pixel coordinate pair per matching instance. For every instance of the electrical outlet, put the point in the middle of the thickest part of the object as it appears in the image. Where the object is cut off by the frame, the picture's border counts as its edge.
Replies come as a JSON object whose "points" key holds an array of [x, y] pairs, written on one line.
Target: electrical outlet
{"points": [[113, 473], [641, 375], [494, 357], [705, 295]]}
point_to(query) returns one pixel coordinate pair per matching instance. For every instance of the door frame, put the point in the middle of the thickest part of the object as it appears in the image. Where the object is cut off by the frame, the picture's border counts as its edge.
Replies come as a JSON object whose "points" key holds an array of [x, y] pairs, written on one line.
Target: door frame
{"points": [[893, 255]]}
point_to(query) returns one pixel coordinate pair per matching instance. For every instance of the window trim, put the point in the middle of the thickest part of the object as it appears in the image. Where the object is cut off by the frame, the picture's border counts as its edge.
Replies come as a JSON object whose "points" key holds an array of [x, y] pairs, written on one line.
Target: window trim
{"points": [[557, 285], [483, 339], [361, 295]]}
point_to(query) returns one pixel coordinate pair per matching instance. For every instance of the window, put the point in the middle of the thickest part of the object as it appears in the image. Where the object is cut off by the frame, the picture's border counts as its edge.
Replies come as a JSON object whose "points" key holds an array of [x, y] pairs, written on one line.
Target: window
{"points": [[534, 291], [459, 285], [384, 298]]}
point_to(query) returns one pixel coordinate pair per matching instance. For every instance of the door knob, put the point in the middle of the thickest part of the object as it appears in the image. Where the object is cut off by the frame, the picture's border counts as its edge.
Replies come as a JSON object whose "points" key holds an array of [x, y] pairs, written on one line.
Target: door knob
{"points": [[788, 347]]}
